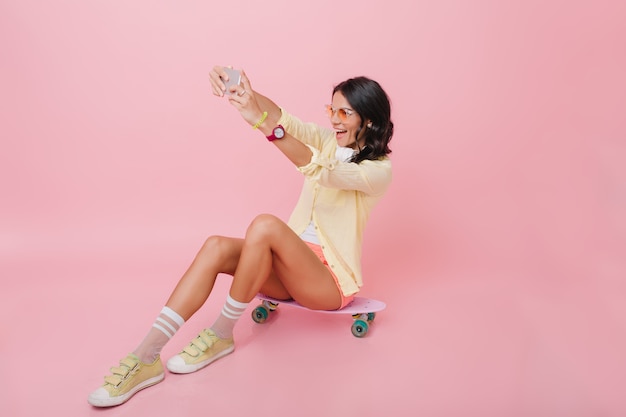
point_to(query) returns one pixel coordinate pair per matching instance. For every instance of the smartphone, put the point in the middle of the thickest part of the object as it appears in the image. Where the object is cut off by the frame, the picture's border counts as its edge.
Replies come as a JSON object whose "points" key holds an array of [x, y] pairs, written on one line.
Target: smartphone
{"points": [[234, 78]]}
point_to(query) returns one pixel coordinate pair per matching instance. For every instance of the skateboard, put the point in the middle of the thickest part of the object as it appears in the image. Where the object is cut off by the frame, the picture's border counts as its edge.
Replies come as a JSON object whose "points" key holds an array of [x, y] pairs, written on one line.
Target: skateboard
{"points": [[363, 311]]}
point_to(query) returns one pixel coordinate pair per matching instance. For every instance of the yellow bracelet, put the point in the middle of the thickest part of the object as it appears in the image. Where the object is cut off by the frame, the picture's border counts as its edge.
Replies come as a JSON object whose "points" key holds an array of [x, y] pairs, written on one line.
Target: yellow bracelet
{"points": [[260, 122]]}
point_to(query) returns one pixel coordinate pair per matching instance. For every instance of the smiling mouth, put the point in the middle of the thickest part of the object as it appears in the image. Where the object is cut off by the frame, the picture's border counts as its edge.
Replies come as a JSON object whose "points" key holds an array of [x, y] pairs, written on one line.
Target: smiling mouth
{"points": [[340, 132]]}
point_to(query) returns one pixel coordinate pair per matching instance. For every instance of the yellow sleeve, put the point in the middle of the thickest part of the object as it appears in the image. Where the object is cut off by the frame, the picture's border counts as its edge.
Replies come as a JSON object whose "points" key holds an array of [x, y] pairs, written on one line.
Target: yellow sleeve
{"points": [[369, 177]]}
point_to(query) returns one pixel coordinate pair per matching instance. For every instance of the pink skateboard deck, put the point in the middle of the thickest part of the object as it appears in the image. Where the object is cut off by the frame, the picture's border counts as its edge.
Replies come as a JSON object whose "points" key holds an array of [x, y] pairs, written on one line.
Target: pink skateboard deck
{"points": [[363, 311]]}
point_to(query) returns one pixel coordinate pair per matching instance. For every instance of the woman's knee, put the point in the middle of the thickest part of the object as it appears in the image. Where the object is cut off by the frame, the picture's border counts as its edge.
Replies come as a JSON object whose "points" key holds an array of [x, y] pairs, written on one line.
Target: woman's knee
{"points": [[216, 249], [263, 226]]}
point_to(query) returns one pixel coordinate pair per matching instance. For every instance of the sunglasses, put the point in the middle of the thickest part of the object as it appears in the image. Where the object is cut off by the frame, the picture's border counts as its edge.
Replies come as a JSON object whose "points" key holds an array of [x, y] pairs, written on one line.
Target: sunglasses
{"points": [[343, 112]]}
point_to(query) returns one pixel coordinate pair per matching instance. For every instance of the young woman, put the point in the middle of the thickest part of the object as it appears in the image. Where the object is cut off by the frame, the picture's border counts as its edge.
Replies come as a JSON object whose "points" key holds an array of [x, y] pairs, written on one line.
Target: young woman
{"points": [[313, 259]]}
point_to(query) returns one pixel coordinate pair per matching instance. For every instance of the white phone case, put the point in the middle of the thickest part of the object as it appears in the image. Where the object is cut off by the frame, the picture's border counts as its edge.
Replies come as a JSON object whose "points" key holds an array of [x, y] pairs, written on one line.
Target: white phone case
{"points": [[234, 78]]}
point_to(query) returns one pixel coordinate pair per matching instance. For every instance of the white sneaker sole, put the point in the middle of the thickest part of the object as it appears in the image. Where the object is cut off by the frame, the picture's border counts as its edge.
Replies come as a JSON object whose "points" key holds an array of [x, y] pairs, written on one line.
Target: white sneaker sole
{"points": [[100, 397], [177, 365]]}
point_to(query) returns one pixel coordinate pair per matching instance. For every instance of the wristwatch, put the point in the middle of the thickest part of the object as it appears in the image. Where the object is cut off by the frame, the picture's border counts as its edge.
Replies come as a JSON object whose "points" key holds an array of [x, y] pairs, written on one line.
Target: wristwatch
{"points": [[277, 133]]}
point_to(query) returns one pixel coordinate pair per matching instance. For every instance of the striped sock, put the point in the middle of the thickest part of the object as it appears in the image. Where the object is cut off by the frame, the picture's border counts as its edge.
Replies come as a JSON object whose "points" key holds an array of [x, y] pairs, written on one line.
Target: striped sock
{"points": [[225, 323], [163, 329]]}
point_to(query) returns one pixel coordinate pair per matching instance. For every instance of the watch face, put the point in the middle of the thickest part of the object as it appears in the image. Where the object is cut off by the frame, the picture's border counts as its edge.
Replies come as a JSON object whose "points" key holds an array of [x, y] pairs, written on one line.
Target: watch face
{"points": [[279, 132]]}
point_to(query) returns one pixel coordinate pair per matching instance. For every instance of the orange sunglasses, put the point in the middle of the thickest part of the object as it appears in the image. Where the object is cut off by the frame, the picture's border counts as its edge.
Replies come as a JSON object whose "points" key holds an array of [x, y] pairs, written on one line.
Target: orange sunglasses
{"points": [[343, 112]]}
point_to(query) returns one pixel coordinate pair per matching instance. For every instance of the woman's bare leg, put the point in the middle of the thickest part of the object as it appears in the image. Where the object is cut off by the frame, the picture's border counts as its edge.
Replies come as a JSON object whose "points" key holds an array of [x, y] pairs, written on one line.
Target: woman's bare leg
{"points": [[276, 262], [271, 259], [143, 368], [261, 268], [218, 255]]}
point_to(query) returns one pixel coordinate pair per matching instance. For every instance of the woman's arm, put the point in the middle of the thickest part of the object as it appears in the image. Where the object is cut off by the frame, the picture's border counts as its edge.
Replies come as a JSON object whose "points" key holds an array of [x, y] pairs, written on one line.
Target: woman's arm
{"points": [[251, 106], [296, 151]]}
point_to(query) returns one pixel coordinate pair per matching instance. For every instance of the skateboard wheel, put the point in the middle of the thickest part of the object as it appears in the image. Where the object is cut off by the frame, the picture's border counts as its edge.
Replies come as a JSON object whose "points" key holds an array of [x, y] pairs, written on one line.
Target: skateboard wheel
{"points": [[359, 328], [260, 314], [371, 316]]}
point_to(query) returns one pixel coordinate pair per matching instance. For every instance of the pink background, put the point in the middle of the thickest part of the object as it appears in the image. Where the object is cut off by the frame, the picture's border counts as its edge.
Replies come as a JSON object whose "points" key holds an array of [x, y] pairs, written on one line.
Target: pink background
{"points": [[500, 247]]}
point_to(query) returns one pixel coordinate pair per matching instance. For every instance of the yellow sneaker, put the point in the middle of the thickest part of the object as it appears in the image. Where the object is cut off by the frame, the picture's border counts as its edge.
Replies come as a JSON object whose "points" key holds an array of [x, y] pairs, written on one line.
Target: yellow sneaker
{"points": [[131, 376], [202, 350]]}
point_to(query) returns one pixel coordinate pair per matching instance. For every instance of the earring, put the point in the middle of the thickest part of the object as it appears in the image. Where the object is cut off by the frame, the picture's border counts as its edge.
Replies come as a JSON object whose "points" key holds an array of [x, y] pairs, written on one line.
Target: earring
{"points": [[369, 125]]}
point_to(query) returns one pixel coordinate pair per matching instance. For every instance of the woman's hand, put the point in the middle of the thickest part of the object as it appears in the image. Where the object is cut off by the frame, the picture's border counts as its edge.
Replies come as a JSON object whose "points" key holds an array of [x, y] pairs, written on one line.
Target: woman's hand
{"points": [[244, 99], [252, 107], [217, 76]]}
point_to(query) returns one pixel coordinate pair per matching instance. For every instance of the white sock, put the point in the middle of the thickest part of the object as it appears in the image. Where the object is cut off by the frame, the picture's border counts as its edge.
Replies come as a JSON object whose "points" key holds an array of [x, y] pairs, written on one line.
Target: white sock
{"points": [[163, 329], [225, 323]]}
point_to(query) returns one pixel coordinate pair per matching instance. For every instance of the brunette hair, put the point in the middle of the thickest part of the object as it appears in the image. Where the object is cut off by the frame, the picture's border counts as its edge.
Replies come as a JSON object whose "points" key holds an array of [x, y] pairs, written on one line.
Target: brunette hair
{"points": [[370, 101]]}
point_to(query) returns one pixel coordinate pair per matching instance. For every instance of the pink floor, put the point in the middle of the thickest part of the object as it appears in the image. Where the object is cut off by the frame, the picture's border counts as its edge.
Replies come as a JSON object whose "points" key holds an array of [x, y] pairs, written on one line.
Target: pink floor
{"points": [[460, 344]]}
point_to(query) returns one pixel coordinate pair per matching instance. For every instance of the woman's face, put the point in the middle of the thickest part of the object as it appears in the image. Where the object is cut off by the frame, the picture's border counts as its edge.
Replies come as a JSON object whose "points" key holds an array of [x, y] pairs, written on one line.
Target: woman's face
{"points": [[344, 120]]}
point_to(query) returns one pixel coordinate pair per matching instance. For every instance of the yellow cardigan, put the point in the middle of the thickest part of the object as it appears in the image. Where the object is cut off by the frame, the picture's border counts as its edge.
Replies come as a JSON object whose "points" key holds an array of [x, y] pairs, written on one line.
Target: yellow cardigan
{"points": [[338, 197]]}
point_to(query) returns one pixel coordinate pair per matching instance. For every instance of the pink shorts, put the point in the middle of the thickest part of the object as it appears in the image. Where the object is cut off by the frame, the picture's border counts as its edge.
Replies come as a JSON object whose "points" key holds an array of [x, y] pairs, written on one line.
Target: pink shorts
{"points": [[317, 249]]}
